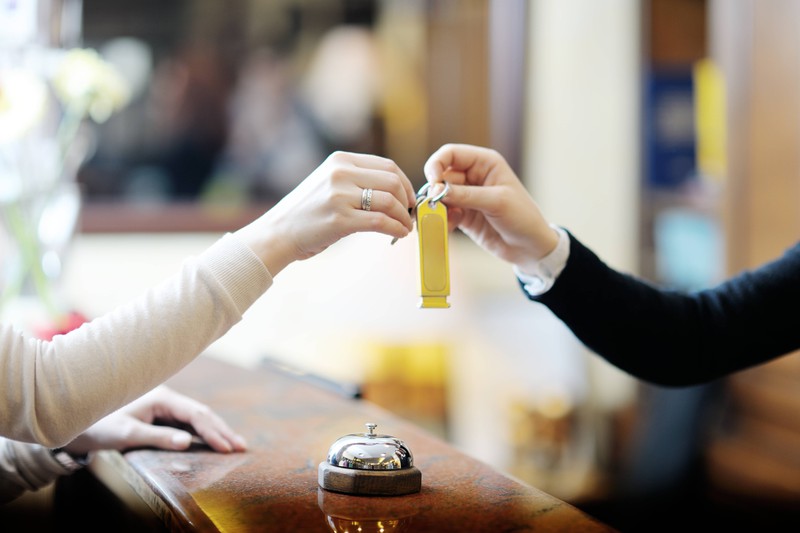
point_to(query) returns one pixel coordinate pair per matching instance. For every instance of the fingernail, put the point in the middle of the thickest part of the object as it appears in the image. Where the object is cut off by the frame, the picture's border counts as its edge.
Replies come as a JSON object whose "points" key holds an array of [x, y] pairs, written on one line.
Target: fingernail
{"points": [[241, 442], [181, 440]]}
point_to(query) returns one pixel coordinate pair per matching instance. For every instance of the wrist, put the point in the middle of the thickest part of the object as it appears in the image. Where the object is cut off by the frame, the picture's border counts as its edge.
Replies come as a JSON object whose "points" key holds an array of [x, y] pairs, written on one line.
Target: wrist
{"points": [[69, 461], [272, 249], [276, 255], [541, 248], [539, 276], [548, 241]]}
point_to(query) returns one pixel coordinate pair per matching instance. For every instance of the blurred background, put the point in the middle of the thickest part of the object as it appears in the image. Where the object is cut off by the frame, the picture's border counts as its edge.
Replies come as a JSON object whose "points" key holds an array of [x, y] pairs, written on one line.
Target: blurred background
{"points": [[663, 133]]}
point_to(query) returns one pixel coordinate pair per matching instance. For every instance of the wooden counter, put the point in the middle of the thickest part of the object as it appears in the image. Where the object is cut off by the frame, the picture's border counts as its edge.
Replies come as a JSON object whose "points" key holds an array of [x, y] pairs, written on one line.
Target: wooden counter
{"points": [[290, 424]]}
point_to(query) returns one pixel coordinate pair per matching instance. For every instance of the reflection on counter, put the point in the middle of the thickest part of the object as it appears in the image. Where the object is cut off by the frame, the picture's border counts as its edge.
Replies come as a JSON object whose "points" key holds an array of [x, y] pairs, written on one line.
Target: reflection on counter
{"points": [[551, 445], [348, 514]]}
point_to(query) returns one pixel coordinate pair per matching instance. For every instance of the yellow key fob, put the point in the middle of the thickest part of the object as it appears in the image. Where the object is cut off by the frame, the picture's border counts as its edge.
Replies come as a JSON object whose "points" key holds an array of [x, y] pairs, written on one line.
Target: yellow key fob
{"points": [[434, 264]]}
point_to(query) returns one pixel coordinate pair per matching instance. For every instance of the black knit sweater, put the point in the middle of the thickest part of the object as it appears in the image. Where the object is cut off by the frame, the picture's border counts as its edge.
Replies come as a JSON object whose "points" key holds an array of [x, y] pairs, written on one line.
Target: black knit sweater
{"points": [[678, 338]]}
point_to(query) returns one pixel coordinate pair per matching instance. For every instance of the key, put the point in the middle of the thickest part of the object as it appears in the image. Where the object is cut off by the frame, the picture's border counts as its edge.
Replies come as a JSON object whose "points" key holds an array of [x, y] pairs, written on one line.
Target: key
{"points": [[434, 263]]}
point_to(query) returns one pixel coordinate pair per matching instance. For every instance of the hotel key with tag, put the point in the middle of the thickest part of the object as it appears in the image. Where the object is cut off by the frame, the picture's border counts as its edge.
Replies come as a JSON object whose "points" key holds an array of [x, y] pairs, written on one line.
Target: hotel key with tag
{"points": [[434, 263]]}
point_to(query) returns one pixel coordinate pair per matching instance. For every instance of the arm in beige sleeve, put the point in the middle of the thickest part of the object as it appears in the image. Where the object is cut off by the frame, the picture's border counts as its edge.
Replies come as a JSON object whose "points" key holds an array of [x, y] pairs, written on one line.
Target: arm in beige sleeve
{"points": [[52, 391]]}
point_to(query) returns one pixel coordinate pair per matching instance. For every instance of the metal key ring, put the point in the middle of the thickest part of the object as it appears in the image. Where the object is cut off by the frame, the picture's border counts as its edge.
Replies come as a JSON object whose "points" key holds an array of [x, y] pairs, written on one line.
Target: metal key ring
{"points": [[423, 190], [432, 202]]}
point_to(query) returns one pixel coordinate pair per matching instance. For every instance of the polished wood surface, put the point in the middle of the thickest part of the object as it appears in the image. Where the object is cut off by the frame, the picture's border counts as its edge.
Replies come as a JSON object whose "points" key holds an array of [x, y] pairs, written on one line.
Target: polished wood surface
{"points": [[290, 425]]}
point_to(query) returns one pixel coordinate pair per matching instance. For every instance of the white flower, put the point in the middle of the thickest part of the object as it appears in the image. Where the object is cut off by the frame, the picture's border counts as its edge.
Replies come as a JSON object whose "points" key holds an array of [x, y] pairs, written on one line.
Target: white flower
{"points": [[40, 152], [85, 79], [23, 101]]}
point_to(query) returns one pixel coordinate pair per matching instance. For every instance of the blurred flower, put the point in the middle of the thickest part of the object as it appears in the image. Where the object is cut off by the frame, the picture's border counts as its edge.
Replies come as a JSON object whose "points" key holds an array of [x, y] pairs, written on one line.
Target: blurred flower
{"points": [[42, 145], [86, 82], [62, 325], [23, 100]]}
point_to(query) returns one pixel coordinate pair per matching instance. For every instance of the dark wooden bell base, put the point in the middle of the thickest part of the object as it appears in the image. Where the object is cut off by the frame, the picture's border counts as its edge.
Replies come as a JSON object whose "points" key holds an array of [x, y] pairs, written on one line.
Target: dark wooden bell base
{"points": [[369, 482]]}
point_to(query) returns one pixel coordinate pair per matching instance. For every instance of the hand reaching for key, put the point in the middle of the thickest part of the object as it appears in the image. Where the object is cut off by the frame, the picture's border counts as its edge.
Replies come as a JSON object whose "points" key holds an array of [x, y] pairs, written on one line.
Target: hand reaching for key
{"points": [[331, 204], [488, 203]]}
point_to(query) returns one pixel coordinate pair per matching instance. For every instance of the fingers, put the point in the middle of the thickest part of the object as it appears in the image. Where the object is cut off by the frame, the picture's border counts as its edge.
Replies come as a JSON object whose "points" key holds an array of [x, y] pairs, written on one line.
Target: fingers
{"points": [[143, 435], [473, 162], [391, 170], [439, 162], [176, 409], [209, 426], [389, 195]]}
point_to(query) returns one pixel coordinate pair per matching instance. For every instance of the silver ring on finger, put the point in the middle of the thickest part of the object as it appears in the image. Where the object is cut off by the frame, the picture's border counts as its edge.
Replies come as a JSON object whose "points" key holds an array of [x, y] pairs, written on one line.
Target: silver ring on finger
{"points": [[366, 199]]}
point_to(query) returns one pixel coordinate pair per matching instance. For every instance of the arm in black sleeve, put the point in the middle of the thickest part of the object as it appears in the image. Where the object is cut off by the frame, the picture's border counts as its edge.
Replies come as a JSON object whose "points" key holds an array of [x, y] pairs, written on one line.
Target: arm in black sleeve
{"points": [[677, 338]]}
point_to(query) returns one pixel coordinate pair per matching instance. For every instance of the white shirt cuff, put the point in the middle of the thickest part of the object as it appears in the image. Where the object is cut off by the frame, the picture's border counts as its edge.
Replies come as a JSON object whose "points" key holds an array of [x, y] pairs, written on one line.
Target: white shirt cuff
{"points": [[540, 277]]}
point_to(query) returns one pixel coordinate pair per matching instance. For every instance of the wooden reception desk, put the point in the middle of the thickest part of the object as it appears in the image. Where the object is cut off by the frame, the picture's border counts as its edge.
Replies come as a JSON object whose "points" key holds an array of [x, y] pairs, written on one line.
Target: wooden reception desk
{"points": [[290, 424]]}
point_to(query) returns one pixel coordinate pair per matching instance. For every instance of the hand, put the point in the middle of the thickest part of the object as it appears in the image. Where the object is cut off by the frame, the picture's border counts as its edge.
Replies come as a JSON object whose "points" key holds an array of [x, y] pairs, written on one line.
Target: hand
{"points": [[133, 426], [326, 207], [488, 203]]}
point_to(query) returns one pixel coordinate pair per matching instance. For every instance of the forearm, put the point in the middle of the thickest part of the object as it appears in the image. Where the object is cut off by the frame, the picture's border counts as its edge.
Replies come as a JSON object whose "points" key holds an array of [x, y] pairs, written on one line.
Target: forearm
{"points": [[62, 387], [671, 337]]}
